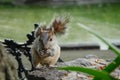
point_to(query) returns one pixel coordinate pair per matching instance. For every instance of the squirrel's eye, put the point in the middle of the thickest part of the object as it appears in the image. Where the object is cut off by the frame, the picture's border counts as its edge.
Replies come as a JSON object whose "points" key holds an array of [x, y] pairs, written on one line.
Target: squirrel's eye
{"points": [[50, 39]]}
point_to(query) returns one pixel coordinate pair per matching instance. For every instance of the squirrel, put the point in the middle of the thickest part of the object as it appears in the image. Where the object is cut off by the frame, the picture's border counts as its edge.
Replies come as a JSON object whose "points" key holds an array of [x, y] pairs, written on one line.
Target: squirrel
{"points": [[45, 49]]}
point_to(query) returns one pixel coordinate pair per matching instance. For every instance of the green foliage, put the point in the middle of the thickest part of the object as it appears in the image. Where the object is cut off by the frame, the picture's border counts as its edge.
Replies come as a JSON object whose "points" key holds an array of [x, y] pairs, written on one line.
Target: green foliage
{"points": [[16, 22], [104, 74], [112, 47]]}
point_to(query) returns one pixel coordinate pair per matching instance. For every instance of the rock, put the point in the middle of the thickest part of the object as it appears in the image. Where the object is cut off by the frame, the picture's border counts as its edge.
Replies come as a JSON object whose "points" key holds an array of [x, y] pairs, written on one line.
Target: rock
{"points": [[116, 73], [45, 73], [54, 74], [90, 61]]}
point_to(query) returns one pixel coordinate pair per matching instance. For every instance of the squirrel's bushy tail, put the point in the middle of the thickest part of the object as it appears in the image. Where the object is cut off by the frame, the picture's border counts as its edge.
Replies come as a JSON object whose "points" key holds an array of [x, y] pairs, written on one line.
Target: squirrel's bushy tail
{"points": [[59, 24]]}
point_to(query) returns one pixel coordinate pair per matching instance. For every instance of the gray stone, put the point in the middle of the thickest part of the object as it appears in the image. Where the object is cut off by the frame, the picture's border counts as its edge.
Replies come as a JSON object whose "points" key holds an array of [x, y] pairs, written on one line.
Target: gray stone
{"points": [[90, 61]]}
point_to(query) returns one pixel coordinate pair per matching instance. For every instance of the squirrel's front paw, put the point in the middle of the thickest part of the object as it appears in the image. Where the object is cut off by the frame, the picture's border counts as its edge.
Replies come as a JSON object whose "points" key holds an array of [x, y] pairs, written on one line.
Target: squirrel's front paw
{"points": [[51, 52]]}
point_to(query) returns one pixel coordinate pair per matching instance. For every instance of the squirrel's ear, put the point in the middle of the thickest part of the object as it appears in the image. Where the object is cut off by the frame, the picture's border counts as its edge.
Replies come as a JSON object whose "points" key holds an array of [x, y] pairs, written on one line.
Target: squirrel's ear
{"points": [[37, 32], [36, 26]]}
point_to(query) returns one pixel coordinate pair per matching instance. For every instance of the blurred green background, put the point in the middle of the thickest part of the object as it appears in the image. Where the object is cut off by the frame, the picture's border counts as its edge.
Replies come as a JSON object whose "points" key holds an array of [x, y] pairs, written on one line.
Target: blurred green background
{"points": [[17, 21]]}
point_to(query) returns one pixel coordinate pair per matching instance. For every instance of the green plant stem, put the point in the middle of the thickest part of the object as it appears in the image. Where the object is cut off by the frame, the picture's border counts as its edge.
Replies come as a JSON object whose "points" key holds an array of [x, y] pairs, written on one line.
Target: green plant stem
{"points": [[112, 47], [113, 65]]}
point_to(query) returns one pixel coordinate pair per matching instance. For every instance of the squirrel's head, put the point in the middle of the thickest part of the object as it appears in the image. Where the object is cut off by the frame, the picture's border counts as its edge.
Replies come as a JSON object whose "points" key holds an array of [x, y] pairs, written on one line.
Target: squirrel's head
{"points": [[46, 36]]}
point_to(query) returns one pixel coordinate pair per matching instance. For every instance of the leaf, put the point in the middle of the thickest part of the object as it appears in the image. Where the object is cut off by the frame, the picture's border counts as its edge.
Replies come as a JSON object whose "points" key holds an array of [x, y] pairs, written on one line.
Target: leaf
{"points": [[112, 47], [116, 62]]}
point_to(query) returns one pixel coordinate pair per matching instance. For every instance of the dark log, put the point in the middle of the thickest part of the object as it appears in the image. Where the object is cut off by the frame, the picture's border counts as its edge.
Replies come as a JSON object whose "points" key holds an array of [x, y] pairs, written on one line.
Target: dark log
{"points": [[7, 69]]}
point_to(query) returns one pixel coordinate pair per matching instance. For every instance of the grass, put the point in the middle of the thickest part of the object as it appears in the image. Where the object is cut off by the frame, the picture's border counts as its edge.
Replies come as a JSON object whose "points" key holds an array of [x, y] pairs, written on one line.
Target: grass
{"points": [[16, 22]]}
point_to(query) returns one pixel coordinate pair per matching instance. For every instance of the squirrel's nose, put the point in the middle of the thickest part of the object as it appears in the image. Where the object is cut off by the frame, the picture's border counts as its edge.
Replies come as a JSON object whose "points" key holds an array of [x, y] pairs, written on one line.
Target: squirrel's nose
{"points": [[44, 49]]}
